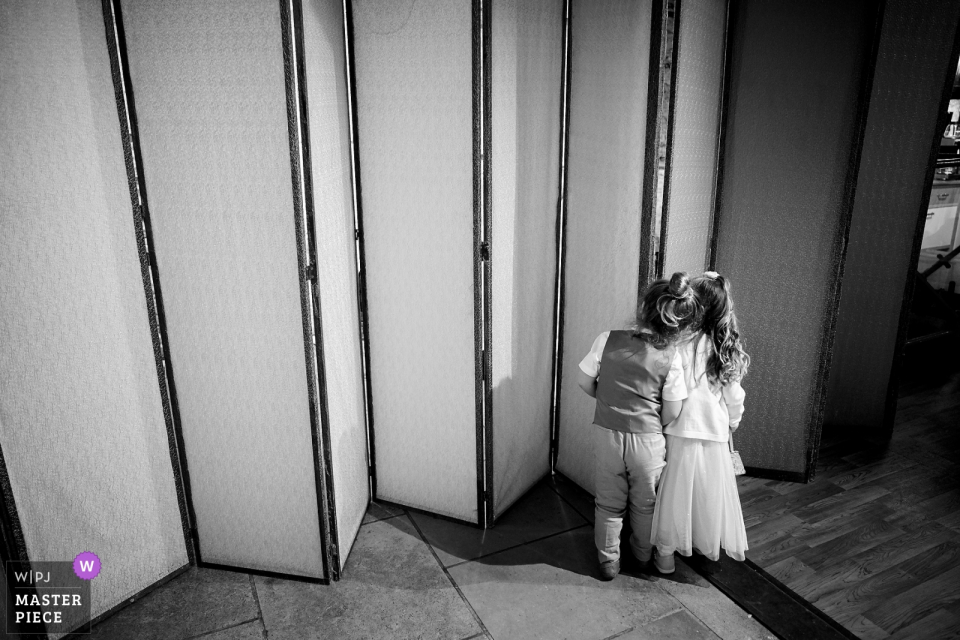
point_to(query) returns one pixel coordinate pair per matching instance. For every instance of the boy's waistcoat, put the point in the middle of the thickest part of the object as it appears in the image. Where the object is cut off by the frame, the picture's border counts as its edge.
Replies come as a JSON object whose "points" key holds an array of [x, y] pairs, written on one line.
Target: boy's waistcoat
{"points": [[630, 383]]}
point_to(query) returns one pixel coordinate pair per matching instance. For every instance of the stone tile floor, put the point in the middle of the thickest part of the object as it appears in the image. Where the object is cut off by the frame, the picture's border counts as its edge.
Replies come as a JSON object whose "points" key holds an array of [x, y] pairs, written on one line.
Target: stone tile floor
{"points": [[410, 575]]}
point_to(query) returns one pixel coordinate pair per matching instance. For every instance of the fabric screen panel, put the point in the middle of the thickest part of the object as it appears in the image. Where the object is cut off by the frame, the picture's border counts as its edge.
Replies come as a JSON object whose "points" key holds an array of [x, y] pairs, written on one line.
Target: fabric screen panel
{"points": [[337, 270], [415, 115], [912, 63], [693, 159], [526, 67], [81, 416], [789, 154], [213, 127], [609, 58]]}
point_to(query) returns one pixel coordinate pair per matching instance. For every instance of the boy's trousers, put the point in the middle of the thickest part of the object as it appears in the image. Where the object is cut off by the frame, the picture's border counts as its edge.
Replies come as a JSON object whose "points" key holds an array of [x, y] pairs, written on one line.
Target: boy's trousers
{"points": [[628, 467]]}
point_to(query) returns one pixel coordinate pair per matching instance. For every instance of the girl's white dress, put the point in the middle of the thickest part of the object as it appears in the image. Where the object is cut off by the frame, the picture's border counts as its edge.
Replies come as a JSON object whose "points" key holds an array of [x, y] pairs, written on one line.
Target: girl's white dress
{"points": [[698, 505]]}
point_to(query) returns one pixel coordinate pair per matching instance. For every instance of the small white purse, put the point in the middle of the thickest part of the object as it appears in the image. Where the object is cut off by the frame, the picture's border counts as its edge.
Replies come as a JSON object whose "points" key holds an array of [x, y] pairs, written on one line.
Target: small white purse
{"points": [[738, 469]]}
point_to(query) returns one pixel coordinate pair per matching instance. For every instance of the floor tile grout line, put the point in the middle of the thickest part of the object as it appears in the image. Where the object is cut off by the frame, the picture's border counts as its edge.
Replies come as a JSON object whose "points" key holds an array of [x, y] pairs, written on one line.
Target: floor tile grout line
{"points": [[564, 498], [620, 634], [516, 546], [683, 607], [232, 626], [396, 515], [670, 613], [256, 598], [476, 616]]}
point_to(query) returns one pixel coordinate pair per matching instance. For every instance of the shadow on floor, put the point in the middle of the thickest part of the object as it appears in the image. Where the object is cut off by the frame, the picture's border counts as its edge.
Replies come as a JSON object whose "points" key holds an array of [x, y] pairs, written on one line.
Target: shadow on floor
{"points": [[412, 575], [551, 525]]}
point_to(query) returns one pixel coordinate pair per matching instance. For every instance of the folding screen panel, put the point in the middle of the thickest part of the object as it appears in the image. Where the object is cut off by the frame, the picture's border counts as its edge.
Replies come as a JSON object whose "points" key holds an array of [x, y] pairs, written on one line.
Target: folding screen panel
{"points": [[217, 161], [687, 225], [82, 419], [416, 144], [797, 76], [329, 127], [610, 54], [526, 69], [913, 64]]}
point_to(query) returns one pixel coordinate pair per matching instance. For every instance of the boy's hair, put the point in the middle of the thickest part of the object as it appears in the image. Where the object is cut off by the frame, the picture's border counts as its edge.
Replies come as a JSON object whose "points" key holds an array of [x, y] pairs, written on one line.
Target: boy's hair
{"points": [[728, 362], [666, 309]]}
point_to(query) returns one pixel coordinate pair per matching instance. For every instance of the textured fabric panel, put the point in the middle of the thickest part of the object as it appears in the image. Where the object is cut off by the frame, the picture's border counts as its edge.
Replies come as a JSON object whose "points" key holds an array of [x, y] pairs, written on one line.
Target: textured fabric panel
{"points": [[912, 63], [414, 98], [336, 255], [213, 130], [693, 161], [81, 420], [608, 95], [789, 148], [527, 52]]}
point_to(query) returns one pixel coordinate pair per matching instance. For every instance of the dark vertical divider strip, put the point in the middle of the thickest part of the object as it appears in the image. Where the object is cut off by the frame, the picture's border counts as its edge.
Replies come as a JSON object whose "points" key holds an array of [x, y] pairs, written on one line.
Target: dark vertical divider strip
{"points": [[481, 256], [358, 232], [133, 159], [13, 547], [710, 259], [668, 156], [486, 9], [11, 532], [890, 405], [561, 240], [294, 77], [324, 460], [873, 21], [648, 204]]}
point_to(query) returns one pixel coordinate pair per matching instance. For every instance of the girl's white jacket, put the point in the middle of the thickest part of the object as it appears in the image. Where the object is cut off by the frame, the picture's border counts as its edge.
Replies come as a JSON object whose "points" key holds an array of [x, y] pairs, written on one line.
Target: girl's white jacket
{"points": [[710, 411]]}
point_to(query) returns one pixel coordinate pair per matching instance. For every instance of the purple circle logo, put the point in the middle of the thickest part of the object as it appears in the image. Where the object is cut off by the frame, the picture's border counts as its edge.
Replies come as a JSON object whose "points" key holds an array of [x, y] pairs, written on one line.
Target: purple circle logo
{"points": [[86, 565]]}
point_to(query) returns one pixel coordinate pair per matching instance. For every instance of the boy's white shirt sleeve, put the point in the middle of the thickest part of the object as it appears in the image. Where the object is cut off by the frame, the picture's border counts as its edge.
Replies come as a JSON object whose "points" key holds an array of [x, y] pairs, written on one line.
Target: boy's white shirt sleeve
{"points": [[590, 364], [733, 396], [674, 387]]}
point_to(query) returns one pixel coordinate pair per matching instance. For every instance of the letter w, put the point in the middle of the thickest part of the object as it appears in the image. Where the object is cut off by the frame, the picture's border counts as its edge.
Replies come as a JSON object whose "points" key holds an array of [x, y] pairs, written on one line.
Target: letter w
{"points": [[86, 565]]}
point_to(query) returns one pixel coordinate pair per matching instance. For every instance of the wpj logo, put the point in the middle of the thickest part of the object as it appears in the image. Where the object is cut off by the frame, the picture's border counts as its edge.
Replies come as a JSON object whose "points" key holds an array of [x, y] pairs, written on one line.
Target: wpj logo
{"points": [[50, 597]]}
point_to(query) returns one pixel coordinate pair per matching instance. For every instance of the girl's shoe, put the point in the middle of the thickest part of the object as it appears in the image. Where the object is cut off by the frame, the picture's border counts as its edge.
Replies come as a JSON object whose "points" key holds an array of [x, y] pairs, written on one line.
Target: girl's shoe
{"points": [[664, 564], [609, 569]]}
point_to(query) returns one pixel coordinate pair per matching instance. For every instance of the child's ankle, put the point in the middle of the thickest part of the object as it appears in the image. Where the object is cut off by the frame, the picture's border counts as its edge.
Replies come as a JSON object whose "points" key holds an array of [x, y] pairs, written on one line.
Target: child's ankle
{"points": [[643, 555]]}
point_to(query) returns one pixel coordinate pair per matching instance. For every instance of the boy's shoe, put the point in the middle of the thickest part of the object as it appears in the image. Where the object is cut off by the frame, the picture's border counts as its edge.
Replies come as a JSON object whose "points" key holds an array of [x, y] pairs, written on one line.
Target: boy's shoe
{"points": [[609, 569], [664, 564]]}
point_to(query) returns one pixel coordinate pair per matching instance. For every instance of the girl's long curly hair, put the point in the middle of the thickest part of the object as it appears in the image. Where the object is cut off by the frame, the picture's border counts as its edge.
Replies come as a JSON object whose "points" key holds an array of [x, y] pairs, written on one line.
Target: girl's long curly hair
{"points": [[667, 308], [728, 362]]}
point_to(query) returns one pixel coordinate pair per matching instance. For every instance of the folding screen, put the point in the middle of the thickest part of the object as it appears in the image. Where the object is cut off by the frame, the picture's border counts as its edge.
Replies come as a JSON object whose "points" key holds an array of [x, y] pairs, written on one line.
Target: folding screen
{"points": [[687, 223], [415, 104], [329, 128], [610, 55], [797, 78], [526, 68], [914, 64], [83, 419], [228, 223]]}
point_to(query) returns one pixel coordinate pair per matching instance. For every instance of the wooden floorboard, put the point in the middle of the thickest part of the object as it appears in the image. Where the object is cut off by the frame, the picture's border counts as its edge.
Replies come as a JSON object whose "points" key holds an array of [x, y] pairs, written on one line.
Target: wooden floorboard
{"points": [[939, 624], [874, 540]]}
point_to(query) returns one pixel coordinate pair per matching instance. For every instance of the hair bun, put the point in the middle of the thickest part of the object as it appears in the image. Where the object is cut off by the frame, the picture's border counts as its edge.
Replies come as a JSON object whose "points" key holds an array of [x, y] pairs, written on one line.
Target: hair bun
{"points": [[680, 285]]}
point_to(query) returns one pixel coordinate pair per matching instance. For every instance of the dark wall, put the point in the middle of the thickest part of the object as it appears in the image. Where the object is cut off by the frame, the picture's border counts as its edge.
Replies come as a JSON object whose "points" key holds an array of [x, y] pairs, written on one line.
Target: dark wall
{"points": [[796, 89], [913, 63]]}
